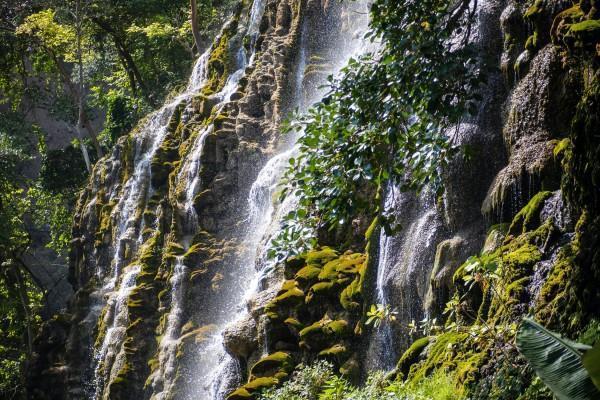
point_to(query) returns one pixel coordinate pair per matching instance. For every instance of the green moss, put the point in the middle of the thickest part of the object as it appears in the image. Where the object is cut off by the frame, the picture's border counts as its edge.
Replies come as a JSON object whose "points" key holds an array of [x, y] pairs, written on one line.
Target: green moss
{"points": [[293, 322], [220, 63], [295, 294], [337, 328], [240, 394], [560, 301], [590, 28], [335, 350], [532, 42], [524, 256], [271, 364], [372, 228], [261, 383], [528, 217], [450, 351], [308, 273], [411, 356], [320, 257], [322, 287], [311, 330], [561, 147], [349, 296], [536, 9]]}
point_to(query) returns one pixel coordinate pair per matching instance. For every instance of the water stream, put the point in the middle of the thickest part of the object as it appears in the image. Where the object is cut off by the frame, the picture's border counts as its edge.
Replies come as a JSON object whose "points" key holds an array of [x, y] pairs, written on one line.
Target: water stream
{"points": [[129, 227]]}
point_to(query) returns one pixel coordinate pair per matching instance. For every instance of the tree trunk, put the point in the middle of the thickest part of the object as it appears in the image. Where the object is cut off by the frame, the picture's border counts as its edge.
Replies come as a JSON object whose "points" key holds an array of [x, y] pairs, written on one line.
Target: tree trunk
{"points": [[195, 27], [82, 118], [24, 299], [126, 59]]}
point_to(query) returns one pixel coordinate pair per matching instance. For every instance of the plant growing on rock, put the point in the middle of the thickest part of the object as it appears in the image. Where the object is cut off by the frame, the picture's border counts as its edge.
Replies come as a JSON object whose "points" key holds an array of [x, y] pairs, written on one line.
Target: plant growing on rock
{"points": [[380, 313], [384, 119]]}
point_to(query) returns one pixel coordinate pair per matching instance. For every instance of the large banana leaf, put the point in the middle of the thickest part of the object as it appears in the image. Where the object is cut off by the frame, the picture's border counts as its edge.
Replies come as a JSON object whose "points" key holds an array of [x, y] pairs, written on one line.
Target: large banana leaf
{"points": [[557, 361], [591, 362]]}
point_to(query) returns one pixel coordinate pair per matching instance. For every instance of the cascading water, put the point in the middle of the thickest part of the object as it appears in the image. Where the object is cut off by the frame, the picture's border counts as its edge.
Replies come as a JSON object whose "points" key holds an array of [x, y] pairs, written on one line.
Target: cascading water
{"points": [[404, 267], [218, 368], [214, 371], [407, 258], [129, 228], [210, 353]]}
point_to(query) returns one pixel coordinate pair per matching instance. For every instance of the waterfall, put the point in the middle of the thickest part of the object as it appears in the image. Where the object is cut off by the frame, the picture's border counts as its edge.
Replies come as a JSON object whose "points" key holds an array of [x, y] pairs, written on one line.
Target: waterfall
{"points": [[405, 261], [210, 353], [218, 369], [129, 227], [209, 371]]}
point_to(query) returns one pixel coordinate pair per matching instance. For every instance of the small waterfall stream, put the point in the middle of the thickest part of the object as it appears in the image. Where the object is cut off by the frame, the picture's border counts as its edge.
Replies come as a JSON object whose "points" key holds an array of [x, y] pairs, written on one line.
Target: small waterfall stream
{"points": [[219, 369], [129, 227], [405, 260], [210, 353]]}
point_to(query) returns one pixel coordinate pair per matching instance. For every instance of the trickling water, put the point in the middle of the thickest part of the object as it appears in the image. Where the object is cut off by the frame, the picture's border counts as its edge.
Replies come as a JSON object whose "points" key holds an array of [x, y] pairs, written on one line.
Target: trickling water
{"points": [[215, 370], [404, 266], [216, 367], [118, 319], [129, 223]]}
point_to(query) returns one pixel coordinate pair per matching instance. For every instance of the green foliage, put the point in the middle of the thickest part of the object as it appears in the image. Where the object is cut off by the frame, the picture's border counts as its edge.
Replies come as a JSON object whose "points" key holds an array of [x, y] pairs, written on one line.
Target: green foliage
{"points": [[13, 329], [557, 361], [379, 314], [591, 362], [318, 382], [384, 119], [306, 383], [63, 171], [20, 299], [51, 210], [122, 112]]}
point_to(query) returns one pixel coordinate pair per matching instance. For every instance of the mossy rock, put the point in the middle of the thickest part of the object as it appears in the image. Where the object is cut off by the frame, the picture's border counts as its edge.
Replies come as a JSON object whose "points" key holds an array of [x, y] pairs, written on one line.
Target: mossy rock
{"points": [[536, 9], [320, 257], [271, 364], [411, 356], [240, 394], [522, 257], [587, 31], [324, 328], [294, 323], [259, 384], [337, 350], [308, 273], [529, 217], [349, 296], [560, 304], [449, 351], [321, 289], [292, 296], [347, 264]]}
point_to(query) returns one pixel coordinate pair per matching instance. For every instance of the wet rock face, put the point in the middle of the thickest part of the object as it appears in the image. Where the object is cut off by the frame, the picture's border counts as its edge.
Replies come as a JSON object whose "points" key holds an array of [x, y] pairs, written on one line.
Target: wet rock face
{"points": [[241, 338], [450, 255], [538, 109]]}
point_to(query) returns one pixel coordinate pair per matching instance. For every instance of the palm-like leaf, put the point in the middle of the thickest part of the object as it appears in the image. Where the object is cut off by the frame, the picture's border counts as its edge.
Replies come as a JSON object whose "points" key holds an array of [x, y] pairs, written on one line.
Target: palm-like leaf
{"points": [[591, 362], [558, 362]]}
